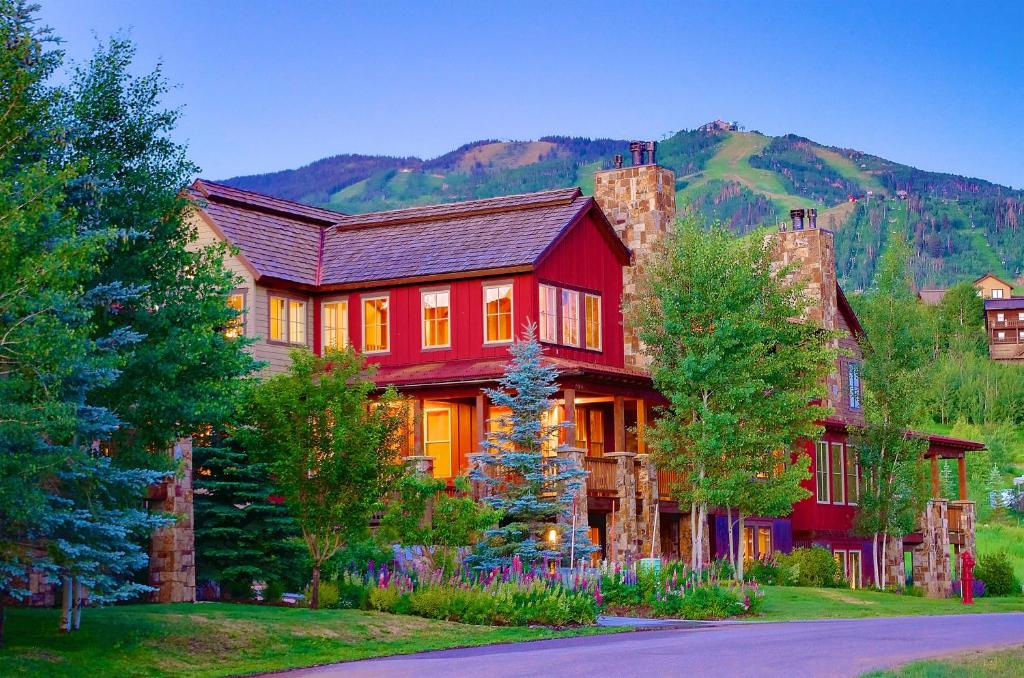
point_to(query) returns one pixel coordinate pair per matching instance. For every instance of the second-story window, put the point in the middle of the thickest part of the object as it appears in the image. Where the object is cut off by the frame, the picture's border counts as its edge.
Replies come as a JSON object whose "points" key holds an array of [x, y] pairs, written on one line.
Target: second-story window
{"points": [[852, 476], [287, 320], [236, 326], [498, 313], [997, 294], [570, 317], [838, 486], [853, 382], [548, 314], [376, 324], [335, 319], [821, 471], [435, 319], [592, 305]]}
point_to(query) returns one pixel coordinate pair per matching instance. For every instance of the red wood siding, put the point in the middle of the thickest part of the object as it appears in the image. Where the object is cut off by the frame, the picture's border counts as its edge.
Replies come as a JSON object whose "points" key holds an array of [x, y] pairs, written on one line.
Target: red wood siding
{"points": [[808, 514]]}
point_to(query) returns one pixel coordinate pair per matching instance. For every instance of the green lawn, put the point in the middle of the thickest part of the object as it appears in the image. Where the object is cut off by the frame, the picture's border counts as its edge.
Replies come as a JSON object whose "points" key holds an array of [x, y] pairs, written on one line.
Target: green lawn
{"points": [[215, 639], [783, 603], [977, 664]]}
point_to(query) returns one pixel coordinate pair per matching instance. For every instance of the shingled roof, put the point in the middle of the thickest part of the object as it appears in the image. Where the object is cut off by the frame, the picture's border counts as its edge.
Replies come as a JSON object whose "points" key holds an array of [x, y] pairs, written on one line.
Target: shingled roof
{"points": [[317, 247]]}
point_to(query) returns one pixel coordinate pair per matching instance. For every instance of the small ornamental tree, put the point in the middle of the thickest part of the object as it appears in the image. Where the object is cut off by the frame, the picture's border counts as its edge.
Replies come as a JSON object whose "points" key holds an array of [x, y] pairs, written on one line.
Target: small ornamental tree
{"points": [[531, 485], [717, 317], [332, 452]]}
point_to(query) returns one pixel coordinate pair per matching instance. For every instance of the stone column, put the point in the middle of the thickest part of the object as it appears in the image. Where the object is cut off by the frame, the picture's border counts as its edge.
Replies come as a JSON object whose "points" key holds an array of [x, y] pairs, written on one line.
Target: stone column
{"points": [[625, 516], [172, 565], [573, 456], [647, 481], [893, 572], [931, 558], [424, 466]]}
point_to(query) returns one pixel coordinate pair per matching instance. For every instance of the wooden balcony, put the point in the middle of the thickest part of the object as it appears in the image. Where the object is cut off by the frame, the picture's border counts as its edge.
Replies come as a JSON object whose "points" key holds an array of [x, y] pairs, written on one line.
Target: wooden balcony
{"points": [[601, 478]]}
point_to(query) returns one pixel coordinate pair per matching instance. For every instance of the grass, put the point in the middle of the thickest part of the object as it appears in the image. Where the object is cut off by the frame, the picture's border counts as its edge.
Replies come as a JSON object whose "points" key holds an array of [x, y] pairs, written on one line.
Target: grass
{"points": [[215, 639], [975, 664], [1003, 536], [785, 603]]}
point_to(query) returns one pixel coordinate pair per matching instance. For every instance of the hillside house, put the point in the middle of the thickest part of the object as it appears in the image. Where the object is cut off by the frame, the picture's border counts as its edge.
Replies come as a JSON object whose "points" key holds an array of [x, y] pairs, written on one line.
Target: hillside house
{"points": [[435, 295], [991, 287]]}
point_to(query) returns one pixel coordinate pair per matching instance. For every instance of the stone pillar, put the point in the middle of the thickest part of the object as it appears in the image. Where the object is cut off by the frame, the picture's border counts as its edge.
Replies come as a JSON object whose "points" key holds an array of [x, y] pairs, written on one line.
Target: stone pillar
{"points": [[968, 519], [640, 203], [573, 458], [647, 482], [931, 558], [423, 466], [893, 571], [625, 545], [172, 565]]}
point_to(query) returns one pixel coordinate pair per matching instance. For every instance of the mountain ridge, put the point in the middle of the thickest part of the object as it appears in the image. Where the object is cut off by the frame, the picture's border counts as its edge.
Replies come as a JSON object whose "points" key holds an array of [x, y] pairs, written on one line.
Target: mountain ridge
{"points": [[960, 226]]}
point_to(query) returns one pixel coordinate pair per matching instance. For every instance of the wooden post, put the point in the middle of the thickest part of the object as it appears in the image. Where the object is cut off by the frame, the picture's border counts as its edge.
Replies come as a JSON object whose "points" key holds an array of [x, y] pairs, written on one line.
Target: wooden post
{"points": [[641, 426], [569, 397], [961, 467], [936, 493], [417, 427], [619, 409], [481, 421]]}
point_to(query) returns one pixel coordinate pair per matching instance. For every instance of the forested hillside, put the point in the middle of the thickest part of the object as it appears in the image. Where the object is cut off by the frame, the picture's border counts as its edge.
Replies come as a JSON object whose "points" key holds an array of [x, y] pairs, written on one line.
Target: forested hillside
{"points": [[960, 227]]}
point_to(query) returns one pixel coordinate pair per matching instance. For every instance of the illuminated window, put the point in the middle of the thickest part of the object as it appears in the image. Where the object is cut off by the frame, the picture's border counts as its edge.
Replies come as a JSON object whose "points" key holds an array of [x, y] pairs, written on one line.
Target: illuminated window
{"points": [[821, 471], [236, 326], [852, 476], [296, 321], [748, 543], [548, 314], [376, 332], [435, 319], [841, 560], [287, 320], [278, 319], [335, 320], [437, 439], [570, 318], [497, 314], [853, 569], [592, 306], [764, 542], [549, 419], [838, 487]]}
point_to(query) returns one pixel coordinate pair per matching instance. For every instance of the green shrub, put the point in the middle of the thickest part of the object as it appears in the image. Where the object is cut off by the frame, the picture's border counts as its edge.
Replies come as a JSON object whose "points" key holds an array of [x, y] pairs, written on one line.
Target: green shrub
{"points": [[328, 595], [384, 599], [273, 590], [813, 566], [706, 602], [353, 592], [765, 572], [996, 570], [355, 556]]}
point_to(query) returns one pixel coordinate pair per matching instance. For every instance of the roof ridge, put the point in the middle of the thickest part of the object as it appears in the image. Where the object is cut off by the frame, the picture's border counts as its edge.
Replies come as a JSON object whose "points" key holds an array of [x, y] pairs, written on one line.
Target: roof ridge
{"points": [[464, 208], [259, 202]]}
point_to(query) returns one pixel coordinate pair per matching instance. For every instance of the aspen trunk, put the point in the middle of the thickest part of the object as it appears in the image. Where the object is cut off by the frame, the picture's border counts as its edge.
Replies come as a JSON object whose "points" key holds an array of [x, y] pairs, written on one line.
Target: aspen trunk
{"points": [[742, 555], [732, 545], [879, 584], [76, 603], [693, 531], [3, 618], [65, 605], [882, 555]]}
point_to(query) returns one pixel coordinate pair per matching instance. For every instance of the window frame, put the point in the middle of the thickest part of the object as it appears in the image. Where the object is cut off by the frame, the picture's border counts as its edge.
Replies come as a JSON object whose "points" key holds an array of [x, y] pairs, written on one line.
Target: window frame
{"points": [[424, 293], [562, 317], [242, 319], [346, 335], [363, 298], [288, 299], [833, 446], [586, 321], [996, 290], [553, 314], [854, 388], [512, 311], [427, 441], [819, 470]]}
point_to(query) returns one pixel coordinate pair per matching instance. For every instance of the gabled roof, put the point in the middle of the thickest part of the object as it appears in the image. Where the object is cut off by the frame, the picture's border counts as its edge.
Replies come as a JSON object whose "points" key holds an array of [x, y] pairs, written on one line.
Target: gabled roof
{"points": [[316, 247], [994, 277], [1012, 303], [931, 295], [848, 313]]}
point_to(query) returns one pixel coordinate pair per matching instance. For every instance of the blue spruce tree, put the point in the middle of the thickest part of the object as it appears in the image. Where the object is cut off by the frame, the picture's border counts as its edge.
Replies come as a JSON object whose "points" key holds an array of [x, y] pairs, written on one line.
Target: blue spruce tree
{"points": [[526, 479]]}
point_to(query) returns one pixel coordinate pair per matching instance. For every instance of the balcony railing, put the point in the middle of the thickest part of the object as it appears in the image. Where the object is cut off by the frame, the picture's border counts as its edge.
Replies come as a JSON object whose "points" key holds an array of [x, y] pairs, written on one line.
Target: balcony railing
{"points": [[602, 475]]}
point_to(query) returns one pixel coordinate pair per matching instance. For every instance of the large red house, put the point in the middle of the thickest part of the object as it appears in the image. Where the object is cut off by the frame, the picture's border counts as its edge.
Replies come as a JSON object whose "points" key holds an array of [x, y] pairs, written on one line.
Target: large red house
{"points": [[435, 295]]}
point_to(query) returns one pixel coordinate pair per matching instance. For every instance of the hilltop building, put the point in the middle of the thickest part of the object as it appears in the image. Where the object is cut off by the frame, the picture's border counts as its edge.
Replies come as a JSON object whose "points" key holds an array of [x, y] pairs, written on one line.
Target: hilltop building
{"points": [[435, 295]]}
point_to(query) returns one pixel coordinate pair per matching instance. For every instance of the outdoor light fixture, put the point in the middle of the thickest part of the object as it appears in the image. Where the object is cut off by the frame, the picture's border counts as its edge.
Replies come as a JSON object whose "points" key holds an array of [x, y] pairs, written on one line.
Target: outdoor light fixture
{"points": [[552, 535]]}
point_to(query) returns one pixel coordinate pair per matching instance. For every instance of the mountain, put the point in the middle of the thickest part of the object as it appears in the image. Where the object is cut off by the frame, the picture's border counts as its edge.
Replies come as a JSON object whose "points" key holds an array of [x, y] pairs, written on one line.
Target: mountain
{"points": [[960, 227]]}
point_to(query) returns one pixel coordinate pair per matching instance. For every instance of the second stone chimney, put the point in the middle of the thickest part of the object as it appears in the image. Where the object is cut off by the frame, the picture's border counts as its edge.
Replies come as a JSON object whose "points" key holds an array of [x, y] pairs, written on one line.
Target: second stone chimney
{"points": [[640, 203], [812, 250]]}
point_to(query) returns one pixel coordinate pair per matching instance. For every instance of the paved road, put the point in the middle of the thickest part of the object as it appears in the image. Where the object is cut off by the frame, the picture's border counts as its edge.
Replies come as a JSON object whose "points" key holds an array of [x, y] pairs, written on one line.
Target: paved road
{"points": [[818, 648]]}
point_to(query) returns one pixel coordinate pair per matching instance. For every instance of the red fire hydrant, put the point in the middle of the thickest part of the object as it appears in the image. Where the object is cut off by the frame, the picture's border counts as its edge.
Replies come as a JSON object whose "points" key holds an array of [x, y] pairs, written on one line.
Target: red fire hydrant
{"points": [[967, 578]]}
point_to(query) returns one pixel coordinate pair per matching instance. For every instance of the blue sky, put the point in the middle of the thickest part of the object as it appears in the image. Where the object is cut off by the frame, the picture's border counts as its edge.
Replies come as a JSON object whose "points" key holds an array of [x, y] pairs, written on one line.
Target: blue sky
{"points": [[273, 85]]}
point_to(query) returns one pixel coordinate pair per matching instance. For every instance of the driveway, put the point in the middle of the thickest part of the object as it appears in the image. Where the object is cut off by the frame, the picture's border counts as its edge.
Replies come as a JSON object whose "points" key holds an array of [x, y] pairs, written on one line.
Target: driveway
{"points": [[812, 648]]}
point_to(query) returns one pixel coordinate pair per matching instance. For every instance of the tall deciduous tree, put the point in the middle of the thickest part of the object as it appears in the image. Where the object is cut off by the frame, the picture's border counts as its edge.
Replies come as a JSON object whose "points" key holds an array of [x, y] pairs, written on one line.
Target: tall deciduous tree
{"points": [[332, 451], [527, 481], [893, 485], [719, 320]]}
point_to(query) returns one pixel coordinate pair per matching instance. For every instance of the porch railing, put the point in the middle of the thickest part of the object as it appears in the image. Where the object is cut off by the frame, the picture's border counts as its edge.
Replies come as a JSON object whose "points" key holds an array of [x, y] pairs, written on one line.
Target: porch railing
{"points": [[602, 475]]}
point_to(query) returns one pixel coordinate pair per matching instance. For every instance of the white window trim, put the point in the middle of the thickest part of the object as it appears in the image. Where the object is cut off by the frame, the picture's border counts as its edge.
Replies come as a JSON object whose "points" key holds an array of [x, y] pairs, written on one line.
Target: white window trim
{"points": [[362, 309], [512, 311], [842, 472], [287, 338], [817, 472], [995, 291], [554, 312], [426, 440], [600, 322], [346, 339], [423, 320], [580, 323]]}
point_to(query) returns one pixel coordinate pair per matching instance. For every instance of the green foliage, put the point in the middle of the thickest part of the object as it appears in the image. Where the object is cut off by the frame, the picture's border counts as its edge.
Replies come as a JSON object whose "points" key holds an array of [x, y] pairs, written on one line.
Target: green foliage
{"points": [[404, 520], [353, 592], [333, 456], [384, 599], [707, 602], [714, 315], [531, 489], [812, 566], [357, 554], [996, 570], [242, 536], [803, 171], [764, 571], [329, 595]]}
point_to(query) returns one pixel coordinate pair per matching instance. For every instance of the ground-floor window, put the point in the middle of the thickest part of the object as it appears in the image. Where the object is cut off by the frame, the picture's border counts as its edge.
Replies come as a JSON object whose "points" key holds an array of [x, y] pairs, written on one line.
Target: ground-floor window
{"points": [[757, 542], [849, 565]]}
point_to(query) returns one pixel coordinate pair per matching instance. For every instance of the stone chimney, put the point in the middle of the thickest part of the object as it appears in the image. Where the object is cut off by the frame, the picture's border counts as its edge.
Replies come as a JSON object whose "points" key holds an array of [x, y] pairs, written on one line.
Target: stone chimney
{"points": [[813, 252], [640, 203]]}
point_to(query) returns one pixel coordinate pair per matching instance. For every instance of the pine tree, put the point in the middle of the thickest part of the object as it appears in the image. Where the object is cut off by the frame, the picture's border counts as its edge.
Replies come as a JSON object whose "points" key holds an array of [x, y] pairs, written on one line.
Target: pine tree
{"points": [[531, 485], [243, 534]]}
